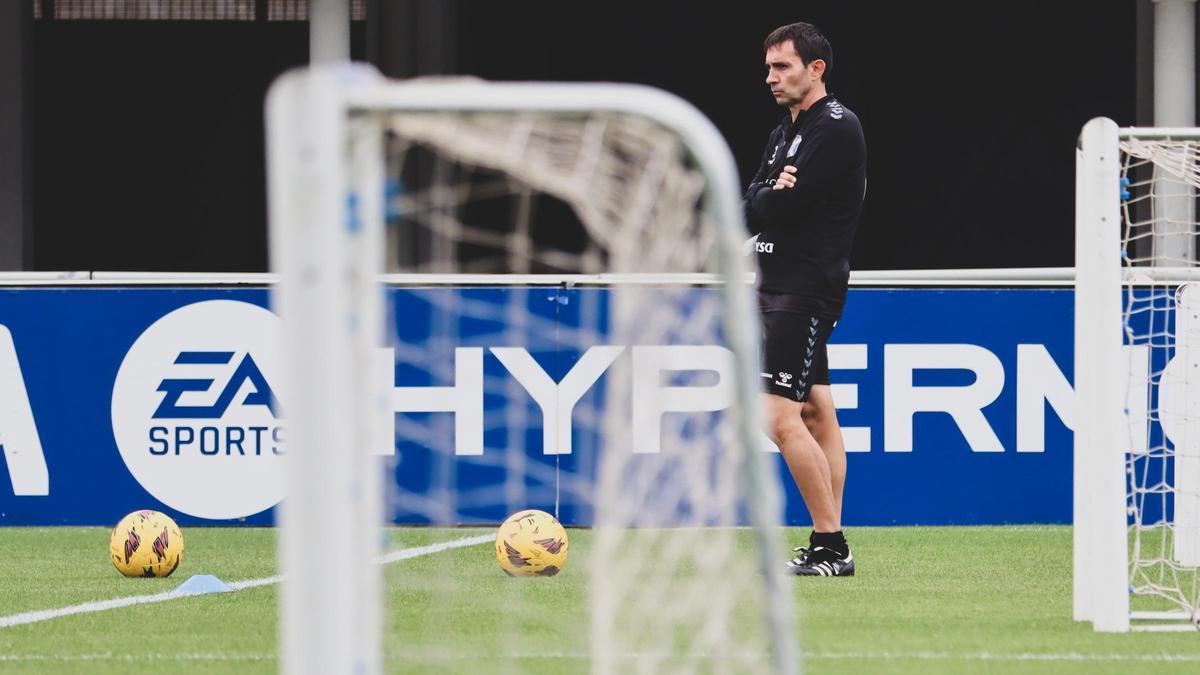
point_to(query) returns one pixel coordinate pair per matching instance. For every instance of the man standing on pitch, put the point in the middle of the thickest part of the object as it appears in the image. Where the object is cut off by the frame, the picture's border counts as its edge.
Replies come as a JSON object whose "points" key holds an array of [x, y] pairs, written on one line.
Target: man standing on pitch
{"points": [[804, 205]]}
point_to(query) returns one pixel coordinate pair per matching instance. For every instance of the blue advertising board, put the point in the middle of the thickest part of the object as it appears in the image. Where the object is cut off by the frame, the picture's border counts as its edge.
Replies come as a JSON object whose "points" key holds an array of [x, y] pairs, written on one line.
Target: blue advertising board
{"points": [[956, 403]]}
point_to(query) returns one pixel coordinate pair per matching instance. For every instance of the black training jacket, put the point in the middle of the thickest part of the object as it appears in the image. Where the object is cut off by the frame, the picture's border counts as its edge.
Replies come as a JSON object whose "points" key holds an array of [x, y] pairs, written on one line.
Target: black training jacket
{"points": [[805, 232]]}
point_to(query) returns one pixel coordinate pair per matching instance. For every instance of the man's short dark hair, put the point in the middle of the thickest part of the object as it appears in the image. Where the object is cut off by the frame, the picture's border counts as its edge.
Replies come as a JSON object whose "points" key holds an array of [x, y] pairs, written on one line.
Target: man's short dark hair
{"points": [[808, 41]]}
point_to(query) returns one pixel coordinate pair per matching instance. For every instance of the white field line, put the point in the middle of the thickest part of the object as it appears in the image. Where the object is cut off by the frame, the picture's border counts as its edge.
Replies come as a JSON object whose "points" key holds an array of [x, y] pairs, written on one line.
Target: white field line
{"points": [[579, 656], [103, 605], [1002, 656], [108, 656], [822, 656]]}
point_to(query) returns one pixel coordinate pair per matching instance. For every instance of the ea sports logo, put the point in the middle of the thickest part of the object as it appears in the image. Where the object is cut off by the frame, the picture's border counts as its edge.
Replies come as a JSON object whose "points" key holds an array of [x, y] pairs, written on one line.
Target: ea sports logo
{"points": [[194, 411]]}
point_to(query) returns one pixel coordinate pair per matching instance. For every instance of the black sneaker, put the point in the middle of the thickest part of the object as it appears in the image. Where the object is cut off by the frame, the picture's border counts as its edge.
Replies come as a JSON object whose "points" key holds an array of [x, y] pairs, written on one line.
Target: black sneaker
{"points": [[822, 562], [801, 556]]}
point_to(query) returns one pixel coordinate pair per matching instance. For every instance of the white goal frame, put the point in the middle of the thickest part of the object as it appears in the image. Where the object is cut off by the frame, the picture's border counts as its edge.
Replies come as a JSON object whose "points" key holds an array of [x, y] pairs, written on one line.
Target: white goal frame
{"points": [[326, 187], [1101, 573]]}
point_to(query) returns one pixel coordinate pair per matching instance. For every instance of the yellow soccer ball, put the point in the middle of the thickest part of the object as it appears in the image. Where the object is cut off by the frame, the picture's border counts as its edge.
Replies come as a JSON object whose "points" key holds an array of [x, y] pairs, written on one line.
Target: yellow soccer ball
{"points": [[146, 544], [531, 543]]}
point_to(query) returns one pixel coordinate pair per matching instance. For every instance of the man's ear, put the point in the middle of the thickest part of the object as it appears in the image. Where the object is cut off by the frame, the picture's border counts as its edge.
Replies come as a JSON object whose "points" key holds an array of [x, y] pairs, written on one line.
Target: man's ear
{"points": [[817, 66]]}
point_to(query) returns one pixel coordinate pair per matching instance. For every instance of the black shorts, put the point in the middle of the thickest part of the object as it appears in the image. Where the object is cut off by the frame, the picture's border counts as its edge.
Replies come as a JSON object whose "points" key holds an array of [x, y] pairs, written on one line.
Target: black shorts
{"points": [[795, 354]]}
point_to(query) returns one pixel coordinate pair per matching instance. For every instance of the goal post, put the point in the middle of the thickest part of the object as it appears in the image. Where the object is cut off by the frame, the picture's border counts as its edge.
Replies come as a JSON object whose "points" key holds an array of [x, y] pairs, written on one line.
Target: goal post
{"points": [[326, 245], [1137, 431], [1099, 500], [623, 158]]}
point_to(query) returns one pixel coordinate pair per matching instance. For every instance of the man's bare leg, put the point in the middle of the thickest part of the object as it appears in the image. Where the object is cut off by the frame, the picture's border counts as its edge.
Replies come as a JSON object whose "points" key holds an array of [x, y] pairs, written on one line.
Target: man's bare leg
{"points": [[820, 416], [806, 461]]}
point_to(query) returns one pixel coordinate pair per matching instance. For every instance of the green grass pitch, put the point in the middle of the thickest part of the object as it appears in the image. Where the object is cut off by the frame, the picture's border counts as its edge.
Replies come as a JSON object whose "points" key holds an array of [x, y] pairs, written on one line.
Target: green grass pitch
{"points": [[926, 600]]}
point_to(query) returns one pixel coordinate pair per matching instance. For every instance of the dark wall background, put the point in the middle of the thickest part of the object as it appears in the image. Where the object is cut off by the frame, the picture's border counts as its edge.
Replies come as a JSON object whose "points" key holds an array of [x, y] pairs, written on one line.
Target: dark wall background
{"points": [[149, 143], [149, 138]]}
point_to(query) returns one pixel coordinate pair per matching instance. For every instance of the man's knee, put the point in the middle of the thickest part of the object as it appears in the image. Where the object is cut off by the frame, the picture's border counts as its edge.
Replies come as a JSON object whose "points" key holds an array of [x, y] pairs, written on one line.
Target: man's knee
{"points": [[785, 422], [818, 411]]}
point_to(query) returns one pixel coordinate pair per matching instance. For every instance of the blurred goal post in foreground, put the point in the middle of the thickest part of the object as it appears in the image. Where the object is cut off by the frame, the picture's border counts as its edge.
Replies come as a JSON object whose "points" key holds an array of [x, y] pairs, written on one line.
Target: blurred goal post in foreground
{"points": [[327, 182], [1137, 379]]}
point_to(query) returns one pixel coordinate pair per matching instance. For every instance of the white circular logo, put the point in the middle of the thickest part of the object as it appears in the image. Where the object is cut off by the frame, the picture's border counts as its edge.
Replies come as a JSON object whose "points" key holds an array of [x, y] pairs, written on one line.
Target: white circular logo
{"points": [[194, 411]]}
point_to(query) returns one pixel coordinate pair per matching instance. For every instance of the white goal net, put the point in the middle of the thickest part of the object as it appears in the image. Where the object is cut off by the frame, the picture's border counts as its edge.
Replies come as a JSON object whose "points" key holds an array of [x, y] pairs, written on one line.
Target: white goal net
{"points": [[1137, 197], [566, 327]]}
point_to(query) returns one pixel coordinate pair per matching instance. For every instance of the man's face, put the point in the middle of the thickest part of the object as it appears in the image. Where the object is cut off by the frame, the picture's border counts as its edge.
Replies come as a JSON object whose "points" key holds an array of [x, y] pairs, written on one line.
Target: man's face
{"points": [[787, 77]]}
